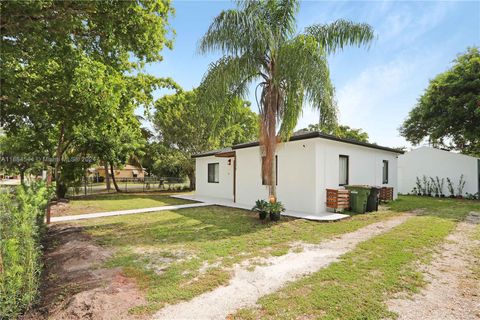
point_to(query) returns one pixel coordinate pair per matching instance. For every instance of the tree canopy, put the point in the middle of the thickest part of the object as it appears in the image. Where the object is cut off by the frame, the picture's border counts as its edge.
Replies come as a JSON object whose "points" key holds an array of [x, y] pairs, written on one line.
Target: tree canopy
{"points": [[447, 114], [261, 46], [184, 126], [341, 131], [72, 70]]}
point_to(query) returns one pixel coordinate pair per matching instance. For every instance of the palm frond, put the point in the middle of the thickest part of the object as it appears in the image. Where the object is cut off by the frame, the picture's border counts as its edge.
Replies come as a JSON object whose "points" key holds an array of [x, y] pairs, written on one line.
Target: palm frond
{"points": [[235, 32], [304, 76], [227, 78], [341, 33], [283, 18]]}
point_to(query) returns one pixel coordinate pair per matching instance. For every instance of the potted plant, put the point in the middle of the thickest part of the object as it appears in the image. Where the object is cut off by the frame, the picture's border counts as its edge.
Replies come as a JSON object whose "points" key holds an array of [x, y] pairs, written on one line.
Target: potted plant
{"points": [[275, 209], [262, 207]]}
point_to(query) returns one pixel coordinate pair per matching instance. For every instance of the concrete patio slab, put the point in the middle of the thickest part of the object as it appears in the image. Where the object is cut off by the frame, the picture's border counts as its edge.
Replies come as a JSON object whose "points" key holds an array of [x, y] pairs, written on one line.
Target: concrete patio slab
{"points": [[324, 216]]}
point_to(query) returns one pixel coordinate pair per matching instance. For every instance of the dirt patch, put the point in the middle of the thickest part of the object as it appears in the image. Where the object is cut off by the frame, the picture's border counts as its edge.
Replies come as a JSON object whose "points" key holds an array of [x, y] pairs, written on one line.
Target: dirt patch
{"points": [[76, 286], [247, 286], [453, 292], [159, 260], [61, 209]]}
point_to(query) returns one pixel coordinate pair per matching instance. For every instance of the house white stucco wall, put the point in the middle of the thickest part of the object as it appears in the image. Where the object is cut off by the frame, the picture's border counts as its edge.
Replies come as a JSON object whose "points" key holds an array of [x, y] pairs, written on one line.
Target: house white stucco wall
{"points": [[365, 167], [296, 176], [306, 168], [433, 162], [224, 188]]}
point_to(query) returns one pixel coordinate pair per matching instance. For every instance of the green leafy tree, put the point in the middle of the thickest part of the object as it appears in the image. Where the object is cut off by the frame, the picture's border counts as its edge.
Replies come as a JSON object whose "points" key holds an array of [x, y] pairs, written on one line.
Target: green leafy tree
{"points": [[23, 150], [340, 131], [67, 66], [261, 46], [185, 126], [448, 112]]}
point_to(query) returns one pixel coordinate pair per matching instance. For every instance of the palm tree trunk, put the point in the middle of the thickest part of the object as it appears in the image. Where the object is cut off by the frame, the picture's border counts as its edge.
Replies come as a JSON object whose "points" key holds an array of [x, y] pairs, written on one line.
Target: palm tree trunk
{"points": [[269, 140], [272, 141]]}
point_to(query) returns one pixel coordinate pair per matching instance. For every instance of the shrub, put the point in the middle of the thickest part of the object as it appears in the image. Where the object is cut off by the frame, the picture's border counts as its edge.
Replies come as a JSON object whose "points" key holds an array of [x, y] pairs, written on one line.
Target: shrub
{"points": [[21, 227], [461, 185], [451, 190]]}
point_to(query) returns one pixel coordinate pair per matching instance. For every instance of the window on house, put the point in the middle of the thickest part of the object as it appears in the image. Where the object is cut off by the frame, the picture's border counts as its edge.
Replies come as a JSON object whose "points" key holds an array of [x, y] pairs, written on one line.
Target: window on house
{"points": [[264, 180], [385, 172], [343, 170], [213, 176]]}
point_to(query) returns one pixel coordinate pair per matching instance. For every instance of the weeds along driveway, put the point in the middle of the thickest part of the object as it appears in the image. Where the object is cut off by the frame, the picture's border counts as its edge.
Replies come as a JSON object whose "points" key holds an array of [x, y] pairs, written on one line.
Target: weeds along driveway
{"points": [[177, 255], [453, 290], [361, 283], [247, 286]]}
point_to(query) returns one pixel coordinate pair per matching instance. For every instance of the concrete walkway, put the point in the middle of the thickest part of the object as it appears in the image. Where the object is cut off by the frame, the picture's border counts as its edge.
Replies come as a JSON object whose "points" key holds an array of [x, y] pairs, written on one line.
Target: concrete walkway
{"points": [[323, 216], [123, 212]]}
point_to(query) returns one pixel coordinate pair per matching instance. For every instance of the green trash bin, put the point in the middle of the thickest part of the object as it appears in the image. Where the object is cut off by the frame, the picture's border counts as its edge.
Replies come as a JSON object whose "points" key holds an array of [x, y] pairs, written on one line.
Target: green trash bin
{"points": [[358, 203], [353, 200]]}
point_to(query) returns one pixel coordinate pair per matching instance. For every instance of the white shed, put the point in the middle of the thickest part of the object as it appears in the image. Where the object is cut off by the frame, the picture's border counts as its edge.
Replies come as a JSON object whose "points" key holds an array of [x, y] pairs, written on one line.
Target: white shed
{"points": [[306, 166], [433, 162]]}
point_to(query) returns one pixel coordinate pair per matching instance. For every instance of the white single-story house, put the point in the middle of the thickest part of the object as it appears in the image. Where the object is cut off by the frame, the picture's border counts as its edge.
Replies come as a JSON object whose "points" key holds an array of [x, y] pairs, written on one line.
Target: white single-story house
{"points": [[307, 165], [433, 162]]}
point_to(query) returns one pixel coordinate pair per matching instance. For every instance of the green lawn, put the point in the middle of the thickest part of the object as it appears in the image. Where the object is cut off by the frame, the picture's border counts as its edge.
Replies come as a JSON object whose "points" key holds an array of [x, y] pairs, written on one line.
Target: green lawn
{"points": [[358, 285], [116, 201], [176, 255], [441, 207]]}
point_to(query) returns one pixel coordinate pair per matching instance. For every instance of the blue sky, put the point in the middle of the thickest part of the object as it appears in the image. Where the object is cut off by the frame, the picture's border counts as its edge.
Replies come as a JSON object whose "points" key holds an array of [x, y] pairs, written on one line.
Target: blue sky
{"points": [[375, 87]]}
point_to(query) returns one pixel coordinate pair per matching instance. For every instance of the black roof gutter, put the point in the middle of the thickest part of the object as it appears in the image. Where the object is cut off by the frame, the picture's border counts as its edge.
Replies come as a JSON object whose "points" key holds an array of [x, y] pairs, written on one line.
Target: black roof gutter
{"points": [[305, 136], [315, 134]]}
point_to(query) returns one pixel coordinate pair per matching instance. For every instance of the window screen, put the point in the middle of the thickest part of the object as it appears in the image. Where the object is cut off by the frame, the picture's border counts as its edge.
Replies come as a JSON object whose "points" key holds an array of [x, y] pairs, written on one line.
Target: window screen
{"points": [[343, 170], [213, 172], [385, 171]]}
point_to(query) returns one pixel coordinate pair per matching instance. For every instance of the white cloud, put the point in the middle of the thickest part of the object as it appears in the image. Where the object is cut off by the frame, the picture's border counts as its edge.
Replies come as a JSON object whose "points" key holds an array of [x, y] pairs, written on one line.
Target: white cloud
{"points": [[376, 100], [405, 24], [372, 88]]}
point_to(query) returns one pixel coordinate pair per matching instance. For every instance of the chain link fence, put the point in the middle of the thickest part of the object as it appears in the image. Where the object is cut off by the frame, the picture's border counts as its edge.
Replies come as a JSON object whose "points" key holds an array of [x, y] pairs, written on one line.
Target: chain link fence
{"points": [[147, 184]]}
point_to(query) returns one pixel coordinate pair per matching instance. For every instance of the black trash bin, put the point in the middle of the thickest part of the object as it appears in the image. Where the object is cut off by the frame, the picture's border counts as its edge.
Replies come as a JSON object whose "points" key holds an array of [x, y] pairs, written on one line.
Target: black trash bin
{"points": [[372, 201]]}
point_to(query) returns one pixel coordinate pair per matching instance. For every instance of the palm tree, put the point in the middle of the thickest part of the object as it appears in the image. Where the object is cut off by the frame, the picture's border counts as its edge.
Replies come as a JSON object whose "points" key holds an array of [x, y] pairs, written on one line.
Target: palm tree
{"points": [[261, 46]]}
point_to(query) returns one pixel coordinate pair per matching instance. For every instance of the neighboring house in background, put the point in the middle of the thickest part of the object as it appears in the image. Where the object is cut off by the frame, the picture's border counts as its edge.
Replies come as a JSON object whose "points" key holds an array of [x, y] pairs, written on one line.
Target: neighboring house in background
{"points": [[434, 163], [306, 166], [127, 171]]}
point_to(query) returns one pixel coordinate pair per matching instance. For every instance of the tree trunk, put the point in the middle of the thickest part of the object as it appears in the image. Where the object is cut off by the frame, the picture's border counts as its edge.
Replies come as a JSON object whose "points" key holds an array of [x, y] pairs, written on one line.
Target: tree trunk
{"points": [[271, 141], [22, 176], [59, 190], [191, 177], [107, 176], [113, 178], [269, 109]]}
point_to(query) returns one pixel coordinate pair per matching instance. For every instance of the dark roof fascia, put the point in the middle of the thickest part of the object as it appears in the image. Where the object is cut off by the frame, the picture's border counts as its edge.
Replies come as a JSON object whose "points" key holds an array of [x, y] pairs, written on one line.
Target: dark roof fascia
{"points": [[315, 134], [205, 154], [305, 136], [210, 153]]}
